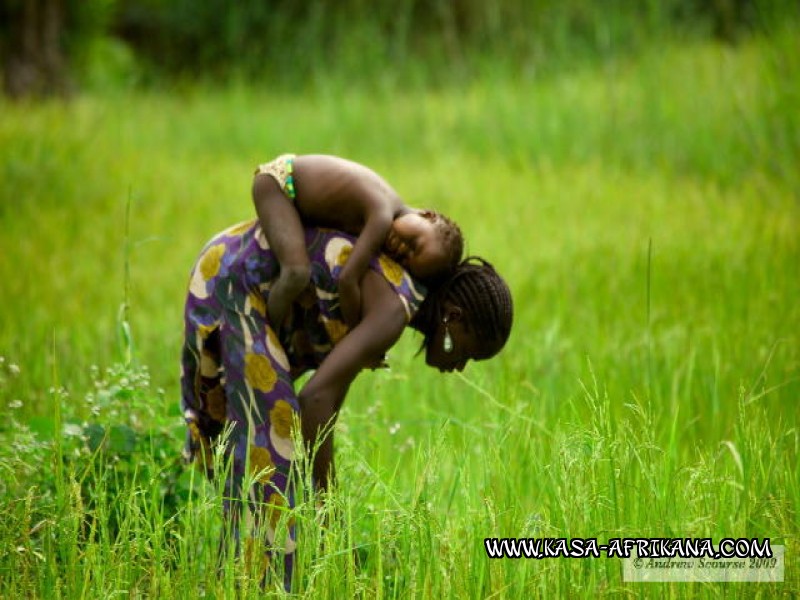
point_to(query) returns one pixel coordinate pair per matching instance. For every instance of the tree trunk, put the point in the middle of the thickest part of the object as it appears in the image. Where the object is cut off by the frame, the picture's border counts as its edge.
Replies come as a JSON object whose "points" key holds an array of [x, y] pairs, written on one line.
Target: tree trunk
{"points": [[35, 62]]}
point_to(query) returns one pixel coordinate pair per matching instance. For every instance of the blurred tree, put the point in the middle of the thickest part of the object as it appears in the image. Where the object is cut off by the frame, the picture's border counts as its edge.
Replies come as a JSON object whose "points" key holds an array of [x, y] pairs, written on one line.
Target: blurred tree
{"points": [[34, 62], [40, 40]]}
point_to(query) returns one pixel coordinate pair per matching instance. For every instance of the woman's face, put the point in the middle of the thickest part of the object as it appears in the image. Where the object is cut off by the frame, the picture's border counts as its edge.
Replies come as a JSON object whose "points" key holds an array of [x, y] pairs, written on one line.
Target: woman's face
{"points": [[465, 345]]}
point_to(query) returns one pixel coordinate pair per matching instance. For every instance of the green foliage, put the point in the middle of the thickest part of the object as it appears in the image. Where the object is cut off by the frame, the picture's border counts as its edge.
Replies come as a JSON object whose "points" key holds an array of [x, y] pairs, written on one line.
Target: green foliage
{"points": [[113, 44], [290, 44], [97, 58]]}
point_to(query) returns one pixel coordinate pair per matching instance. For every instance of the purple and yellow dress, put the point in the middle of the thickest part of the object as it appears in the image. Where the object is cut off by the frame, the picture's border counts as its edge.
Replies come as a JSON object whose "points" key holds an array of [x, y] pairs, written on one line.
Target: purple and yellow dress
{"points": [[238, 371]]}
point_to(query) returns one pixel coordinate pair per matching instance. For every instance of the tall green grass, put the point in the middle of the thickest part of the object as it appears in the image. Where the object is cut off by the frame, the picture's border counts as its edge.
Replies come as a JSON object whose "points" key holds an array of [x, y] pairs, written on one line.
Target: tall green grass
{"points": [[645, 214]]}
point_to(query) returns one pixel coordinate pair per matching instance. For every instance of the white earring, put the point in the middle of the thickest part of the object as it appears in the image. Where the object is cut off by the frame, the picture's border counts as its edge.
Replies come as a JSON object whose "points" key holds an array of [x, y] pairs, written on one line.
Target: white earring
{"points": [[447, 346]]}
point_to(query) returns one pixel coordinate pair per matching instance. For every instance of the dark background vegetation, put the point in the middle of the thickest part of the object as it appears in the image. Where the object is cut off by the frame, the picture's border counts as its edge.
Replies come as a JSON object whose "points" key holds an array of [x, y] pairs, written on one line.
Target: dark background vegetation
{"points": [[60, 46]]}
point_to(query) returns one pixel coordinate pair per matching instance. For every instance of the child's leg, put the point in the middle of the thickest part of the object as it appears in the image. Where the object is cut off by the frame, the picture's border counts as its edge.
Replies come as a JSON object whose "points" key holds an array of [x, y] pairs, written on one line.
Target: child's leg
{"points": [[286, 238]]}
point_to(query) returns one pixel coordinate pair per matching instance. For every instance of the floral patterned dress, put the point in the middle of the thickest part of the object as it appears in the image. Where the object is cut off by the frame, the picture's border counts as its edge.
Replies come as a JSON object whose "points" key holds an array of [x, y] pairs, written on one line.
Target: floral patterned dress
{"points": [[238, 372]]}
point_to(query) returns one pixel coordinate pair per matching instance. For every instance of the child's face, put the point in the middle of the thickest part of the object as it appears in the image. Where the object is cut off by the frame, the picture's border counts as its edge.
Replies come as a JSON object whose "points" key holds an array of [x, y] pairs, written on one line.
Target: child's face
{"points": [[415, 242]]}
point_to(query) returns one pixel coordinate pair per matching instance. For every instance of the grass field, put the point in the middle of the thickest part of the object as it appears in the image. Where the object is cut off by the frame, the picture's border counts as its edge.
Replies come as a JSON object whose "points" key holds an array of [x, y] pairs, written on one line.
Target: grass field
{"points": [[646, 216]]}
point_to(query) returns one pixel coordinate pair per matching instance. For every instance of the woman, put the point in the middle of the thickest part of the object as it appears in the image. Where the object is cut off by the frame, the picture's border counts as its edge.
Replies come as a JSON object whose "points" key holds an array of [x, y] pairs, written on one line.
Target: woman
{"points": [[238, 370]]}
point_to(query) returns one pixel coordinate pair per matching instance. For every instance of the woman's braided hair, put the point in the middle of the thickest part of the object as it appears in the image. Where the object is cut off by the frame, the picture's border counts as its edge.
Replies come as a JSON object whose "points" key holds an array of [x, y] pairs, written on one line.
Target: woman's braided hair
{"points": [[481, 293]]}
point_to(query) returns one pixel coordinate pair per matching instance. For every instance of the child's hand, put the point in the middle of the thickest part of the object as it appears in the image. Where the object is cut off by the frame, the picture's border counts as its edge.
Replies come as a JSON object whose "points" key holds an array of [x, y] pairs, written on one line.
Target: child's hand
{"points": [[308, 297], [350, 300]]}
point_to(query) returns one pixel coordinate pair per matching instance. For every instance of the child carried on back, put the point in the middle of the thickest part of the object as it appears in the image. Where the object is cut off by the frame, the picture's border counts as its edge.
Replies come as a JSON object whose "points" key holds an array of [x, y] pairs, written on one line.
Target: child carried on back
{"points": [[291, 192]]}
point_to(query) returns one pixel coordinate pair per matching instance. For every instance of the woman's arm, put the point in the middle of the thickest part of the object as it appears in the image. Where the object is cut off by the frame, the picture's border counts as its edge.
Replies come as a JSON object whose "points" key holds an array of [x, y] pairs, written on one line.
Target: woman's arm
{"points": [[339, 193], [321, 398]]}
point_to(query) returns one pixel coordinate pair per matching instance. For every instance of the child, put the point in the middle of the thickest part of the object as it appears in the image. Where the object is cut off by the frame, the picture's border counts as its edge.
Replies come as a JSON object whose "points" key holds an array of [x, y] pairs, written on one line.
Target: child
{"points": [[293, 191]]}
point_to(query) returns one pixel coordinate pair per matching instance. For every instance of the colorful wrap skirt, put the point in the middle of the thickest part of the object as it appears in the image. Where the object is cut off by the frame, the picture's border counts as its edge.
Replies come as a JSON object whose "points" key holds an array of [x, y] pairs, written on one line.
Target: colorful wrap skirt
{"points": [[238, 371]]}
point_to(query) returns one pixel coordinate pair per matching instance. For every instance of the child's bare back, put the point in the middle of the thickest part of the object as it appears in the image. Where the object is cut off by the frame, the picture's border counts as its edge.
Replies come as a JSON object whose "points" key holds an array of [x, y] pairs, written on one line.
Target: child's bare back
{"points": [[341, 194]]}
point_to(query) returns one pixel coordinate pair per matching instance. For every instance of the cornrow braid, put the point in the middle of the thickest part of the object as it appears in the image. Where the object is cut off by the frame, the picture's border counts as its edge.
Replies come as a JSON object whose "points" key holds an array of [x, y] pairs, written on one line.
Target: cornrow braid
{"points": [[452, 238], [481, 293]]}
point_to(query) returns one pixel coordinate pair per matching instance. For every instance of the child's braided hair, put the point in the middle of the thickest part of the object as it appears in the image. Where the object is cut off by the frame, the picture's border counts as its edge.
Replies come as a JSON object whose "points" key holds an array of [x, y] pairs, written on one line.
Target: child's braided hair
{"points": [[481, 293], [452, 238]]}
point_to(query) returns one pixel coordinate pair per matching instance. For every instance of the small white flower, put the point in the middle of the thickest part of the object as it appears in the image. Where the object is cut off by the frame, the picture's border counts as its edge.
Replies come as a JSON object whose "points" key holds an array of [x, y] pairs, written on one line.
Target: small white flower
{"points": [[394, 428], [13, 369], [72, 429], [15, 404]]}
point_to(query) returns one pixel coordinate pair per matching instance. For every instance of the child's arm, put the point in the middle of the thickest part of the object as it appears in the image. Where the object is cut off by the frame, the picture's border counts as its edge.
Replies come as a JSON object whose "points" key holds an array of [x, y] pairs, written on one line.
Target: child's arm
{"points": [[377, 223], [336, 192]]}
